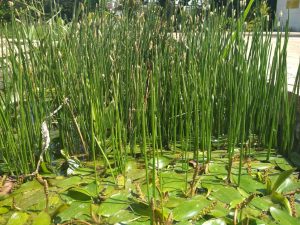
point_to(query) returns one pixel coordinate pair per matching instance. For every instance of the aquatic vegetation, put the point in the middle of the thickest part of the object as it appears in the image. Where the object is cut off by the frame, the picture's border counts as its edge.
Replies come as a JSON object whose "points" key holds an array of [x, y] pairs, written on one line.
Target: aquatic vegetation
{"points": [[160, 124]]}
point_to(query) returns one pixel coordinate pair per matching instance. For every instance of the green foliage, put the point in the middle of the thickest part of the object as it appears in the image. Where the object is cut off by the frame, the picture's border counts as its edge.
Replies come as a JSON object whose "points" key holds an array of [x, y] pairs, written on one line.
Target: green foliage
{"points": [[5, 11]]}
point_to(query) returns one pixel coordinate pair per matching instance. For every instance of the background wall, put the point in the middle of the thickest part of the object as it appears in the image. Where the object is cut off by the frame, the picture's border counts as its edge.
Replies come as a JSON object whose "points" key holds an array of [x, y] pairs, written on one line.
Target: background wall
{"points": [[294, 13]]}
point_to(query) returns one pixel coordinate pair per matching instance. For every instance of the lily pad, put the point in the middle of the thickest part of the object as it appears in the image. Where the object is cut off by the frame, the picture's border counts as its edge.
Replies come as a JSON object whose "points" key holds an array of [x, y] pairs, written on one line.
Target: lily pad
{"points": [[18, 218], [215, 222], [3, 210], [69, 182], [226, 194], [249, 184], [113, 204], [42, 218], [190, 208], [160, 162], [282, 163], [122, 217], [262, 203], [77, 210]]}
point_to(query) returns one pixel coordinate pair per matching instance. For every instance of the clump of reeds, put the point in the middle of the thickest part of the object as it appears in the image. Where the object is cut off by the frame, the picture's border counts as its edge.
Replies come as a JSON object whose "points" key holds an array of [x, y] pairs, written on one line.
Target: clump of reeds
{"points": [[133, 81]]}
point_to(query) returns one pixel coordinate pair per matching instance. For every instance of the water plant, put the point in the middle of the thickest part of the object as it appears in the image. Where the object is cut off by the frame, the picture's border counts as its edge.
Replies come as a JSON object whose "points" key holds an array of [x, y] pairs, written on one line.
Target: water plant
{"points": [[162, 113]]}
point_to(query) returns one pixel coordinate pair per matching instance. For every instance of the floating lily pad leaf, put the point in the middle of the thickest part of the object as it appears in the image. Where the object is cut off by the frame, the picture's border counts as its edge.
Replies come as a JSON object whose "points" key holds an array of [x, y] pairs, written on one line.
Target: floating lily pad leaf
{"points": [[28, 186], [281, 179], [140, 221], [262, 203], [190, 208], [69, 182], [283, 164], [226, 194], [218, 169], [181, 167], [249, 184], [211, 183], [174, 202], [36, 200], [141, 209], [215, 222], [113, 204], [77, 210], [42, 218], [262, 155], [184, 223], [235, 202], [131, 165], [160, 162], [18, 218], [3, 210], [249, 212], [75, 195], [257, 165], [221, 210], [173, 181], [89, 190], [282, 217], [83, 171], [80, 191], [122, 217]]}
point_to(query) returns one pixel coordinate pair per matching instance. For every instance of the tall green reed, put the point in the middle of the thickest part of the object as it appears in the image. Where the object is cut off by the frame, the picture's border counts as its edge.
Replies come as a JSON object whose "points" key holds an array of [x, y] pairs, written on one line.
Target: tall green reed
{"points": [[136, 87]]}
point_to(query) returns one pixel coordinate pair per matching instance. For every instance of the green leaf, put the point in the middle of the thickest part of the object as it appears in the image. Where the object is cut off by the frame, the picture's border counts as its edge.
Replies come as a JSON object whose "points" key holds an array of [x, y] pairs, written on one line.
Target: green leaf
{"points": [[282, 178], [42, 218], [77, 210], [18, 218], [215, 222], [160, 162], [190, 208], [263, 203], [122, 217], [226, 194], [113, 204], [282, 217], [279, 198], [3, 210], [283, 164]]}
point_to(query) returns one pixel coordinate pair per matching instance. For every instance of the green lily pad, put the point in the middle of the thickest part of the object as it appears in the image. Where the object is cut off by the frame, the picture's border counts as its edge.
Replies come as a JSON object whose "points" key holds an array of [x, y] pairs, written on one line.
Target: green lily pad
{"points": [[262, 203], [36, 200], [226, 194], [219, 211], [190, 208], [160, 162], [173, 181], [282, 217], [42, 218], [249, 184], [174, 202], [215, 222], [69, 182], [74, 195], [3, 210], [122, 217], [18, 218], [77, 210], [282, 163], [113, 204]]}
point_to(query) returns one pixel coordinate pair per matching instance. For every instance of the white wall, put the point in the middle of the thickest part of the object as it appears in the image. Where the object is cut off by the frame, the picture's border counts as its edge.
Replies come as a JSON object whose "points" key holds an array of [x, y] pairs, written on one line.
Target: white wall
{"points": [[294, 15]]}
